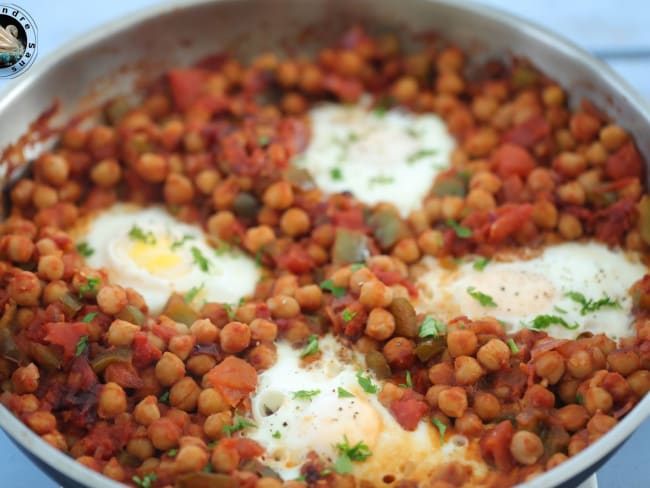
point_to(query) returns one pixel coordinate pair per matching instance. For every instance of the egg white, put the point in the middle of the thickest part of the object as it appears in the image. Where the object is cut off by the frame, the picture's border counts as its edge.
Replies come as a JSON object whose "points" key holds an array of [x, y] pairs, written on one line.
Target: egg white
{"points": [[525, 289], [169, 259], [390, 156], [290, 427]]}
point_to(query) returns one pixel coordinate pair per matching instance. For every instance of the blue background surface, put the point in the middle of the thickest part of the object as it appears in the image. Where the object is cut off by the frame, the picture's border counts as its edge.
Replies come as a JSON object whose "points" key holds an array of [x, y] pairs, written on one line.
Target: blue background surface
{"points": [[617, 31]]}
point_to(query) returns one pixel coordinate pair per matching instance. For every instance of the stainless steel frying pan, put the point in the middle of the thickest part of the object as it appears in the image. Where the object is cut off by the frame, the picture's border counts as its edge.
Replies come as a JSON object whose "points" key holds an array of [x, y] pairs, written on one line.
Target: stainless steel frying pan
{"points": [[113, 59]]}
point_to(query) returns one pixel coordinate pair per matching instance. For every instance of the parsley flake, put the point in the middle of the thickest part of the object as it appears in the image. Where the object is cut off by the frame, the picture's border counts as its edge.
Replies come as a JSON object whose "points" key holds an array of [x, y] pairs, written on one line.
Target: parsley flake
{"points": [[90, 286], [359, 452], [589, 305], [172, 452], [482, 298], [229, 311], [422, 153], [431, 327], [81, 346], [146, 481], [89, 317], [223, 248], [544, 321], [311, 347], [181, 241], [193, 292], [84, 249], [462, 232], [579, 399], [348, 315], [138, 234], [328, 285], [343, 393], [263, 141], [276, 434], [305, 394], [480, 263], [513, 346], [366, 383], [200, 259], [164, 398], [238, 424], [380, 180], [442, 428], [408, 381]]}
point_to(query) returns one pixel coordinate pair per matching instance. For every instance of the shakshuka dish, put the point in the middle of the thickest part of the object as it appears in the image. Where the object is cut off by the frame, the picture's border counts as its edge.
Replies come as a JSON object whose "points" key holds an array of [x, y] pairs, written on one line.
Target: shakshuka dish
{"points": [[371, 268]]}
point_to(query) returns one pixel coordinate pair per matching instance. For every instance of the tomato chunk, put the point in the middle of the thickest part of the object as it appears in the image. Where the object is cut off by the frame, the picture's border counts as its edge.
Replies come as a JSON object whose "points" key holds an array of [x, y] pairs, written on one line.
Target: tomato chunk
{"points": [[495, 445], [408, 412], [624, 163], [234, 378], [66, 335], [511, 159], [186, 86]]}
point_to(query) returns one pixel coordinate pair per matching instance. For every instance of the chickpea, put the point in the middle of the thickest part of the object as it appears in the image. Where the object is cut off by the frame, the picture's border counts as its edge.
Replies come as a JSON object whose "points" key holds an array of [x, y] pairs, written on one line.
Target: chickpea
{"points": [[121, 333], [206, 181], [191, 458], [199, 364], [152, 167], [184, 394], [486, 405], [107, 173], [204, 331], [452, 207], [639, 382], [550, 366], [462, 342], [25, 289], [295, 222], [480, 199], [598, 399], [283, 306], [399, 352], [467, 370], [572, 193], [569, 226], [441, 374], [114, 470], [225, 458], [526, 447], [169, 369], [181, 346], [235, 337], [599, 425], [53, 168], [22, 191], [211, 401], [309, 297], [580, 364], [545, 215], [623, 362], [25, 379], [178, 189], [288, 73], [572, 417], [19, 248], [405, 89], [263, 356], [50, 267], [613, 137], [380, 324], [257, 237], [469, 424], [112, 401], [453, 401], [269, 483], [494, 354], [111, 299], [214, 424], [375, 294], [278, 196], [164, 433], [146, 411], [44, 196], [42, 422], [263, 330], [431, 242]]}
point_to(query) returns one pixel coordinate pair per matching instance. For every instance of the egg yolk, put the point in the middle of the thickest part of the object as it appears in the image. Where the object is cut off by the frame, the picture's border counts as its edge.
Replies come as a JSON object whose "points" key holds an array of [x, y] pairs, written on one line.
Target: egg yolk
{"points": [[157, 257]]}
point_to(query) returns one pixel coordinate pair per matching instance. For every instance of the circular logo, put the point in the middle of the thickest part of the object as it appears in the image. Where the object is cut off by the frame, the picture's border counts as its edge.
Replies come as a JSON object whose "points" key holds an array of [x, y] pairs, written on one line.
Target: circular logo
{"points": [[18, 40]]}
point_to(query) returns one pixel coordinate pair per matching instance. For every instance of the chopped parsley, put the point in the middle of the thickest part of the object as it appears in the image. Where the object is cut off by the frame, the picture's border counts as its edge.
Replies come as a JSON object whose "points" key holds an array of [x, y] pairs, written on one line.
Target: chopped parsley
{"points": [[558, 309], [263, 141], [305, 394], [380, 180], [336, 174], [589, 305], [208, 468], [223, 248], [85, 250], [359, 452], [544, 321], [229, 311], [431, 327], [146, 481], [238, 424], [200, 259], [259, 255], [366, 383], [90, 286], [311, 347], [442, 428], [408, 381], [138, 234], [276, 434], [343, 393], [579, 399], [513, 346], [89, 317], [482, 298], [181, 241], [462, 232], [164, 398], [302, 477], [348, 315], [193, 292], [422, 153], [172, 452], [480, 263], [357, 266], [81, 346], [382, 107], [328, 285]]}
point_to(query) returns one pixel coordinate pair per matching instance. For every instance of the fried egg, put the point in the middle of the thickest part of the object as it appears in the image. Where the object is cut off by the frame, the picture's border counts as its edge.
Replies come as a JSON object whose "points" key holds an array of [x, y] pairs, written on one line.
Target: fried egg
{"points": [[297, 409], [150, 251], [379, 156], [568, 289]]}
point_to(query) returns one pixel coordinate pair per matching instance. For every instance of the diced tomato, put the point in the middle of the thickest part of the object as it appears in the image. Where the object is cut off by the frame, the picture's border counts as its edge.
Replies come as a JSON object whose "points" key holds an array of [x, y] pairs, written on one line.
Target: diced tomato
{"points": [[296, 259], [612, 223], [391, 278], [248, 448], [144, 353], [164, 332], [124, 374], [346, 89], [495, 445], [625, 163], [234, 378], [408, 412], [66, 335], [512, 218], [81, 377], [186, 86], [349, 218], [528, 133], [511, 159]]}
